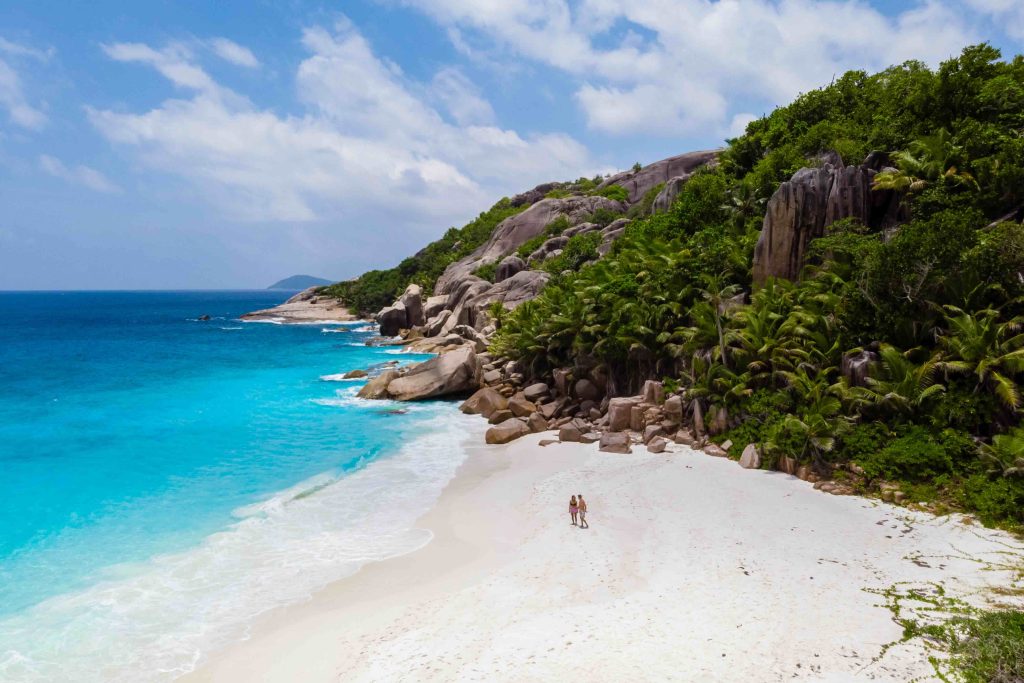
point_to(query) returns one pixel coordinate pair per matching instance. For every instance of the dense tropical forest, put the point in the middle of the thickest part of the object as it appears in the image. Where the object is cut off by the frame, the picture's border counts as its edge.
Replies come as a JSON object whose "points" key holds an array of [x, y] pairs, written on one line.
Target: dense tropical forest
{"points": [[937, 302]]}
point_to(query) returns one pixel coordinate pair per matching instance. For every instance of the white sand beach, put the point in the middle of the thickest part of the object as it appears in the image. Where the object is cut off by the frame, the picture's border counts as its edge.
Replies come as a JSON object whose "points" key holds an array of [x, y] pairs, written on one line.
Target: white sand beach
{"points": [[694, 569]]}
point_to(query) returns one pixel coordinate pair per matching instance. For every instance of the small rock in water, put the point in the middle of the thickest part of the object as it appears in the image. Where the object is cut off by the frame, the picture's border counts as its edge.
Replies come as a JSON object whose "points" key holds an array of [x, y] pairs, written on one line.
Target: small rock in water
{"points": [[204, 316]]}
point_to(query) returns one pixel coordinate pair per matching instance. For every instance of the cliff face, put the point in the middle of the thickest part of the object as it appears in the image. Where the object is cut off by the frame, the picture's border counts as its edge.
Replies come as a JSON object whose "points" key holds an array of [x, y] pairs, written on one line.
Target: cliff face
{"points": [[813, 199]]}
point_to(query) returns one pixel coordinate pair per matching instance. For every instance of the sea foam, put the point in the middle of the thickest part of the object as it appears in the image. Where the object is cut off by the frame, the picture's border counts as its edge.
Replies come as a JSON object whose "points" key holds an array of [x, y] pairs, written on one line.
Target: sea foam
{"points": [[161, 617]]}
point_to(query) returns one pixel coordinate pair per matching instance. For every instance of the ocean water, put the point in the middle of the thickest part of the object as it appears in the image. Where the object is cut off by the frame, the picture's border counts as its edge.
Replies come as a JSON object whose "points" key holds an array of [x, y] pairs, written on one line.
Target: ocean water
{"points": [[163, 480]]}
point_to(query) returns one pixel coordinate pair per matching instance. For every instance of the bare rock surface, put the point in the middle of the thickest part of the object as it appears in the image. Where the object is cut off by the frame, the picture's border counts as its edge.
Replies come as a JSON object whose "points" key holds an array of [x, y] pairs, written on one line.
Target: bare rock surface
{"points": [[306, 306], [637, 183], [509, 430]]}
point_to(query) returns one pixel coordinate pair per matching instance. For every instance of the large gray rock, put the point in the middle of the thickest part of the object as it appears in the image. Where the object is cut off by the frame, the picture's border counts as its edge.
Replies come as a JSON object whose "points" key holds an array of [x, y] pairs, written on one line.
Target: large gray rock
{"points": [[751, 457], [509, 430], [585, 390], [521, 287], [795, 216], [619, 411], [615, 442], [377, 387], [509, 266], [485, 401], [438, 324], [653, 392], [803, 207], [450, 373], [392, 319], [536, 391], [668, 194], [412, 300], [512, 232], [434, 305], [637, 183], [657, 445], [673, 408], [855, 366]]}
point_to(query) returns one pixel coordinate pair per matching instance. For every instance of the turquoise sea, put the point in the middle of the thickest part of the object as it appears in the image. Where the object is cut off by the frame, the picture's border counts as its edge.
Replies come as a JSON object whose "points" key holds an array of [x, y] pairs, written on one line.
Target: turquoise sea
{"points": [[163, 479]]}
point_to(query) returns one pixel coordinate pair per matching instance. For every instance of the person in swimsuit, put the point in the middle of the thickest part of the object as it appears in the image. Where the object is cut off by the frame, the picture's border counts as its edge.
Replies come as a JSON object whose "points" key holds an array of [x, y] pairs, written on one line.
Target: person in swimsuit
{"points": [[573, 509], [582, 504]]}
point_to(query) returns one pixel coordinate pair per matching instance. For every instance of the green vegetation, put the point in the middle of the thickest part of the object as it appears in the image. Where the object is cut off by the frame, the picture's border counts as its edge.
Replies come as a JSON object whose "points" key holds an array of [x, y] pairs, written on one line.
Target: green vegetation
{"points": [[578, 250], [615, 192], [940, 304], [376, 289], [975, 646], [486, 271]]}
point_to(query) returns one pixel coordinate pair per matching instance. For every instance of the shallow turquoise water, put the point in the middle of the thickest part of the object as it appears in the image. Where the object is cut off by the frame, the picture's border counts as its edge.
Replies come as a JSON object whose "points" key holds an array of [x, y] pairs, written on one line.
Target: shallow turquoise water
{"points": [[130, 431]]}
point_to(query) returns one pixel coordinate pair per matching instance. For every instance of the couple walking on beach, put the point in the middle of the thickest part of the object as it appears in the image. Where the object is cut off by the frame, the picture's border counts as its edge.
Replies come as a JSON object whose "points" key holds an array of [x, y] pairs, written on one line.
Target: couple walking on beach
{"points": [[578, 509]]}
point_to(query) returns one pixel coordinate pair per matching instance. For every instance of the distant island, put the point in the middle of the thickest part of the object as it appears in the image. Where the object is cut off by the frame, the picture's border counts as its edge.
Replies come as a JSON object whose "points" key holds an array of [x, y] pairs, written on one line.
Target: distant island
{"points": [[298, 282]]}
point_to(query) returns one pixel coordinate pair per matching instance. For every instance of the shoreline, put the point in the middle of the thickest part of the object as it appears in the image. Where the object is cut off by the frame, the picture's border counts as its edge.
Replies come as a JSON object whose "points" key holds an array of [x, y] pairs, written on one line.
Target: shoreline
{"points": [[304, 307], [754, 572]]}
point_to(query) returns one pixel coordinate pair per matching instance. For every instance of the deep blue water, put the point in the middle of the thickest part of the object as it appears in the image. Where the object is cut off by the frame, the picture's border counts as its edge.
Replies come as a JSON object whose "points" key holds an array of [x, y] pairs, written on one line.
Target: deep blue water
{"points": [[130, 430]]}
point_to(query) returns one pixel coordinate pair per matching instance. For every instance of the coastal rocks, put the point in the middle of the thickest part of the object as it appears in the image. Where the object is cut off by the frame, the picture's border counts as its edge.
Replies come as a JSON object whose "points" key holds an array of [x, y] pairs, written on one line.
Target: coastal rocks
{"points": [[433, 306], [573, 431], [412, 301], [509, 430], [485, 401], [653, 392], [637, 183], [715, 450], [673, 408], [586, 390], [657, 445], [392, 319], [377, 387], [685, 438], [652, 432], [536, 423], [534, 392], [751, 457], [355, 374], [520, 407], [619, 413], [454, 372], [615, 442]]}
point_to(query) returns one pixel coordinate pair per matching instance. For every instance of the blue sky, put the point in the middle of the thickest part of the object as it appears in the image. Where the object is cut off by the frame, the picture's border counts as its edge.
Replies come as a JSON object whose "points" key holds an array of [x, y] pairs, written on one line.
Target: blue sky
{"points": [[194, 144]]}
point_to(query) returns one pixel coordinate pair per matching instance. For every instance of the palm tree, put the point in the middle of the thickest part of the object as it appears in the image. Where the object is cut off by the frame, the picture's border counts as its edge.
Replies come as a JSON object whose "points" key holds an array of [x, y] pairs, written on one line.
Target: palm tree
{"points": [[990, 349], [741, 204], [718, 294], [899, 384], [925, 161]]}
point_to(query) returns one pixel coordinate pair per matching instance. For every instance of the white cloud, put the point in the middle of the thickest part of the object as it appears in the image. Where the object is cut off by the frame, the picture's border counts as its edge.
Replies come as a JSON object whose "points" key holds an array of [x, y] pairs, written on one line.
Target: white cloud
{"points": [[13, 99], [1008, 13], [370, 150], [686, 66], [19, 50], [234, 53], [79, 175], [461, 98]]}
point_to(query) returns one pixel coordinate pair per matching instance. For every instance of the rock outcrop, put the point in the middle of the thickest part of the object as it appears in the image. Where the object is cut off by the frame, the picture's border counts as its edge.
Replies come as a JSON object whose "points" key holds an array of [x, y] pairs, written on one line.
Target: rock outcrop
{"points": [[512, 232], [637, 183], [813, 199], [668, 193], [450, 373], [509, 430]]}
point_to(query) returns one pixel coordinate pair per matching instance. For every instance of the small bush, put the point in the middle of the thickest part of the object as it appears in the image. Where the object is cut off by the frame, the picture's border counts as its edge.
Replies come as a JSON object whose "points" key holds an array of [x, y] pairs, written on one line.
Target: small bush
{"points": [[558, 193], [577, 251], [486, 271], [615, 192], [603, 217], [915, 456], [993, 499]]}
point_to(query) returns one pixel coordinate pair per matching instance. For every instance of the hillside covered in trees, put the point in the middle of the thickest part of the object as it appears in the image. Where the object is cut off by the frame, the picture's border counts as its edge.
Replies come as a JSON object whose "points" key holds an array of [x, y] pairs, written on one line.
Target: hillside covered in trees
{"points": [[842, 285]]}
